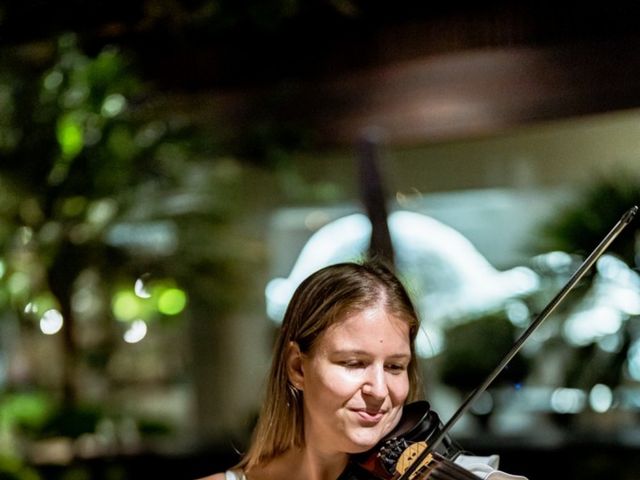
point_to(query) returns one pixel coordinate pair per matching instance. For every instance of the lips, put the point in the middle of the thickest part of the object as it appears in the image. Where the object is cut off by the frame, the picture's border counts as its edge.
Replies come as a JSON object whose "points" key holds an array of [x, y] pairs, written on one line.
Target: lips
{"points": [[368, 417]]}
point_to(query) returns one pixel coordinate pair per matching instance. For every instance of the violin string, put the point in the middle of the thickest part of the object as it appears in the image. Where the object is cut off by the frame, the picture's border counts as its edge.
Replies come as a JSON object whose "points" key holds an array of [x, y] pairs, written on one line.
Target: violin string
{"points": [[452, 470], [441, 468], [435, 474]]}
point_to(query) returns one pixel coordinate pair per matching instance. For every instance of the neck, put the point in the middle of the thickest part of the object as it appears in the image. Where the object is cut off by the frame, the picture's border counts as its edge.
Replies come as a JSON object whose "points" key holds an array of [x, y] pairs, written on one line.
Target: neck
{"points": [[310, 464]]}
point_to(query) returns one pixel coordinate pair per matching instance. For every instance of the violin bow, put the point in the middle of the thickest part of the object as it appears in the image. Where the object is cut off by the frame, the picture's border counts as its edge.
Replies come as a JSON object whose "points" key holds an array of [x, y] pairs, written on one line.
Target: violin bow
{"points": [[579, 273]]}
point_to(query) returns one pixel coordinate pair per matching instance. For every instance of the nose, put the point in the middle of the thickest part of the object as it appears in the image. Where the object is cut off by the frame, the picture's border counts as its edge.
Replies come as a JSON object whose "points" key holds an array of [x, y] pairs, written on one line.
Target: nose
{"points": [[375, 384]]}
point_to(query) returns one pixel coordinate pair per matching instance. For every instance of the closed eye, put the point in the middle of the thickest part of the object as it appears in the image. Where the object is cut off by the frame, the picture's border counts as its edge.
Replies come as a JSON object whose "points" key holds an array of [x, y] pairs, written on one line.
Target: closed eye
{"points": [[396, 367], [353, 364]]}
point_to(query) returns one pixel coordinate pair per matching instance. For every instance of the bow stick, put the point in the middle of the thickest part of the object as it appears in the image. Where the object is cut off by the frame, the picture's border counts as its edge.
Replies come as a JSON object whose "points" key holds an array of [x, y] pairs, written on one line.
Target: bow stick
{"points": [[579, 273]]}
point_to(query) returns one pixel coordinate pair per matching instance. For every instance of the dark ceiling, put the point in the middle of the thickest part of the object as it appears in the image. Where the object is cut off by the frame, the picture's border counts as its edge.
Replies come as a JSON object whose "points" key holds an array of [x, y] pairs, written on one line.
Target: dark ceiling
{"points": [[206, 43], [320, 62]]}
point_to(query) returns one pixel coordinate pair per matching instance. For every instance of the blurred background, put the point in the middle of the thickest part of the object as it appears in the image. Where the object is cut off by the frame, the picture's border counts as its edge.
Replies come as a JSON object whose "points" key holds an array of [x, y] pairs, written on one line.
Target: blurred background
{"points": [[169, 172]]}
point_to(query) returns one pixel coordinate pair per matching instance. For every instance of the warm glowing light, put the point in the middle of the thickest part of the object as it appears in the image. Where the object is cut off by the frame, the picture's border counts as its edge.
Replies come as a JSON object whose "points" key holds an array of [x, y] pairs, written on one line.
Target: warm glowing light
{"points": [[41, 303], [136, 331], [51, 322], [140, 288], [30, 308]]}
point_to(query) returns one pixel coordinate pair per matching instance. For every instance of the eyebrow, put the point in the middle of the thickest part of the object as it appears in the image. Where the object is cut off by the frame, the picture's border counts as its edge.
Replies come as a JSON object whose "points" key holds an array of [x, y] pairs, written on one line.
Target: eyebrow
{"points": [[365, 353]]}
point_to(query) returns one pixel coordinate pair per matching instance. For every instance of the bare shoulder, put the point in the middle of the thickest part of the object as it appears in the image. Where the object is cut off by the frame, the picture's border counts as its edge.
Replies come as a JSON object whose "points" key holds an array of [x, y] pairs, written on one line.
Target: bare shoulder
{"points": [[215, 476]]}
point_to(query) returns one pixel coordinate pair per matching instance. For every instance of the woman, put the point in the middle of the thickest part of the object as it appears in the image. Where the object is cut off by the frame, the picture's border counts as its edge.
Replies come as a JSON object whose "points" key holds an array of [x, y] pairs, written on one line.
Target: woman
{"points": [[343, 367]]}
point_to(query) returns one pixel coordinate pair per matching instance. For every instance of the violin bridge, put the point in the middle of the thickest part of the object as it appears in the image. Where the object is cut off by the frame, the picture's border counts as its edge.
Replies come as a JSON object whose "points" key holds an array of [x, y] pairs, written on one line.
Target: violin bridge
{"points": [[409, 456]]}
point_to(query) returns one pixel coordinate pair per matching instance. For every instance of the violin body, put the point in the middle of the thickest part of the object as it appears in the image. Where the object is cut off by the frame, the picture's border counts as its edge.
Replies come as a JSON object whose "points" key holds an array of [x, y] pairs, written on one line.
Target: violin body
{"points": [[418, 425]]}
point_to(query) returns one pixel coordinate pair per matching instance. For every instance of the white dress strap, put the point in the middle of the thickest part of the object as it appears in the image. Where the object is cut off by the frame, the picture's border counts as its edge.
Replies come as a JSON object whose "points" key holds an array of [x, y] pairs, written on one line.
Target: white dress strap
{"points": [[485, 468]]}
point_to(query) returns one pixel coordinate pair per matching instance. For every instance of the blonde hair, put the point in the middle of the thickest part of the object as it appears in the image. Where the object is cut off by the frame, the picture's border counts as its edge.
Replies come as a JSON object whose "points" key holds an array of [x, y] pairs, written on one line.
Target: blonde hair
{"points": [[320, 301]]}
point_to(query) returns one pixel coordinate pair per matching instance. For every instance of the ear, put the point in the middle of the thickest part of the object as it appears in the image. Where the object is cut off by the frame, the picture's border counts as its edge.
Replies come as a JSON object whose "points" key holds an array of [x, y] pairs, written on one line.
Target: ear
{"points": [[295, 370]]}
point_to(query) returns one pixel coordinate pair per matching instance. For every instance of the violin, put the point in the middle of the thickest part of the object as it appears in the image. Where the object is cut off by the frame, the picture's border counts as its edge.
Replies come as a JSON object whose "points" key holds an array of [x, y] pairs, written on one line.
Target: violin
{"points": [[419, 447], [398, 450]]}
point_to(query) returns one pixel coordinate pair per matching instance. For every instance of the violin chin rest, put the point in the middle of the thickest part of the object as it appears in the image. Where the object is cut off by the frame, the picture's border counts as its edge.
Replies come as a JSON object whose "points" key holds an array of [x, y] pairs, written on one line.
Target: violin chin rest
{"points": [[418, 422]]}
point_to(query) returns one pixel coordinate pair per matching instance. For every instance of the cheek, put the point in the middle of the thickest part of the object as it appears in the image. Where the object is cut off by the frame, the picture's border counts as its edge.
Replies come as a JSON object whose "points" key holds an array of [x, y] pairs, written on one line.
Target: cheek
{"points": [[333, 381], [399, 388]]}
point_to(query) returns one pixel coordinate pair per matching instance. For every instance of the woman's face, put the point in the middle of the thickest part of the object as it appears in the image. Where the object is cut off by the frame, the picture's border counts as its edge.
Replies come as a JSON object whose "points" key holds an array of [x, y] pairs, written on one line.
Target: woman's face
{"points": [[355, 381]]}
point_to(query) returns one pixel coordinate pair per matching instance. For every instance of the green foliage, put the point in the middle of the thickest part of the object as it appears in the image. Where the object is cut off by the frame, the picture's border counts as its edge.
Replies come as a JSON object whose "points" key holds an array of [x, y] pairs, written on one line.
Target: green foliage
{"points": [[98, 191], [26, 411], [579, 227], [474, 348], [71, 421], [88, 167], [150, 427], [590, 365], [12, 468]]}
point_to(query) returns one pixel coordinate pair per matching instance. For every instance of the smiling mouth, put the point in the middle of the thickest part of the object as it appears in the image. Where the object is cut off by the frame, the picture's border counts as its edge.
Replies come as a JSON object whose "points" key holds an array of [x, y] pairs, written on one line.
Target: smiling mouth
{"points": [[371, 417]]}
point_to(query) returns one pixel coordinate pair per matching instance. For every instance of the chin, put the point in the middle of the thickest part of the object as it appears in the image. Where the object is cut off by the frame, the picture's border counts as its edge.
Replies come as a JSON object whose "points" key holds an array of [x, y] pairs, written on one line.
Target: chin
{"points": [[355, 448], [362, 443]]}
